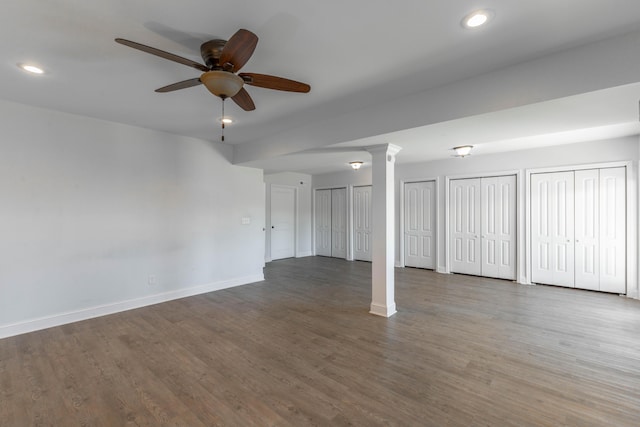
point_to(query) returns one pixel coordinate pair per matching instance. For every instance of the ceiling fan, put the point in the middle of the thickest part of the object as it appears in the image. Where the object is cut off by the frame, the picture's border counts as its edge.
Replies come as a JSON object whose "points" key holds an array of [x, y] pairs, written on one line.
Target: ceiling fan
{"points": [[220, 76]]}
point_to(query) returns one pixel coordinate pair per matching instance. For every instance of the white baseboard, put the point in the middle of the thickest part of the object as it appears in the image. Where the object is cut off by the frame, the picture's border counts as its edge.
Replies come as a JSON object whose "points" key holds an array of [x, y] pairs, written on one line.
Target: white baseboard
{"points": [[103, 310], [304, 254], [441, 270], [383, 310]]}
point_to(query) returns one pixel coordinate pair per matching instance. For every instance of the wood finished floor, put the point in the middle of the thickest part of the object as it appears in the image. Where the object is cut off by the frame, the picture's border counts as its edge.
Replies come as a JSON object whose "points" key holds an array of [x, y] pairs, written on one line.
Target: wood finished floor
{"points": [[301, 349]]}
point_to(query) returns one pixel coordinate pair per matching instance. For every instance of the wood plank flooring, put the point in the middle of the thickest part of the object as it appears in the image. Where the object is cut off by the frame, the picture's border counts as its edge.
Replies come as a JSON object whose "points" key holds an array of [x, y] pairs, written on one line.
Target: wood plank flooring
{"points": [[301, 349]]}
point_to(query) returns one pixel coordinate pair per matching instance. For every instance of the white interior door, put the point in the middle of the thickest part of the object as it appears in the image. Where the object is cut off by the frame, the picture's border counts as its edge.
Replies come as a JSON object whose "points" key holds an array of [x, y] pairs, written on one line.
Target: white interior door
{"points": [[498, 229], [419, 224], [362, 223], [464, 220], [552, 228], [587, 229], [323, 222], [613, 230], [339, 223], [283, 220]]}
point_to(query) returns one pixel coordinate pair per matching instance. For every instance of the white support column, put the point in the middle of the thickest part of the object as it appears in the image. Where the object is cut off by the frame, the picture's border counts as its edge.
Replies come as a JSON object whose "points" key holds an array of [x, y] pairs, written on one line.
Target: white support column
{"points": [[383, 242]]}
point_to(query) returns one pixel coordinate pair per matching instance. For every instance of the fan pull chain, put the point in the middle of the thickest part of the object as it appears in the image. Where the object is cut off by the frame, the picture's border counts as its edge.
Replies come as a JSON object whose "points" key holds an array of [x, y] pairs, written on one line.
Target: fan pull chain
{"points": [[222, 120]]}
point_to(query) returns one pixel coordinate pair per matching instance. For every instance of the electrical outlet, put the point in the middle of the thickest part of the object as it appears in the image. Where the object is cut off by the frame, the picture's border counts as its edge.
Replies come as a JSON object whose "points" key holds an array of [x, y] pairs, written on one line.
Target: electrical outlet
{"points": [[152, 280]]}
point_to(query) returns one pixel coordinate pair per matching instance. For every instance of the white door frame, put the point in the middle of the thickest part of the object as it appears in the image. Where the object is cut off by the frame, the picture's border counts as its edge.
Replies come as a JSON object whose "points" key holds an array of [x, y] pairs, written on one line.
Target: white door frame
{"points": [[520, 252], [632, 218], [437, 180], [268, 219]]}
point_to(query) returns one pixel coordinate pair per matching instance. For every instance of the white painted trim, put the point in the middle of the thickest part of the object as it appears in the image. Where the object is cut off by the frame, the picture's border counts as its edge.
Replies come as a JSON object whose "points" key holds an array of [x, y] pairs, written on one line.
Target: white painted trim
{"points": [[104, 310], [633, 283], [632, 216], [400, 262], [304, 254], [384, 311]]}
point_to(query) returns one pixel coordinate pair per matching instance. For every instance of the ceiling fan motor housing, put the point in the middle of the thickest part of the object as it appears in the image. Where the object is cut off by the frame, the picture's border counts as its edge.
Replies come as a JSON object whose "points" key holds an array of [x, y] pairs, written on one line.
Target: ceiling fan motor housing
{"points": [[211, 51]]}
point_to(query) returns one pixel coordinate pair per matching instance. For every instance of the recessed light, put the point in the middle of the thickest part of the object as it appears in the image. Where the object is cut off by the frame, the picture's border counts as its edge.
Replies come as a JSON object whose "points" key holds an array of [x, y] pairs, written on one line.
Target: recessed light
{"points": [[31, 68], [477, 18], [356, 165]]}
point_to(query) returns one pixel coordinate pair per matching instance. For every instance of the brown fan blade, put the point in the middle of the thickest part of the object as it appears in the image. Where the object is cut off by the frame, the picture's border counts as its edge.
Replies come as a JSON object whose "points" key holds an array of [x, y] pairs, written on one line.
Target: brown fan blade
{"points": [[180, 85], [243, 100], [273, 82], [238, 50], [163, 54]]}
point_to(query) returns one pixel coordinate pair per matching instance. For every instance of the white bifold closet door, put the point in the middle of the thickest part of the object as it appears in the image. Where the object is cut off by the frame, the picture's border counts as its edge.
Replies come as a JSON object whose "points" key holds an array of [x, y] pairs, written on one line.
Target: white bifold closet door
{"points": [[578, 229], [362, 228], [339, 222], [331, 222], [419, 224], [465, 226], [482, 218], [613, 230], [552, 228], [498, 227], [323, 222]]}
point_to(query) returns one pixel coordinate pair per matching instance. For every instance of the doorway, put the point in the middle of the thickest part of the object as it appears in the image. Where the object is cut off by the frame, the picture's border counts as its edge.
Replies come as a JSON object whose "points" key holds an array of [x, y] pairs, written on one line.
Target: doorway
{"points": [[283, 222]]}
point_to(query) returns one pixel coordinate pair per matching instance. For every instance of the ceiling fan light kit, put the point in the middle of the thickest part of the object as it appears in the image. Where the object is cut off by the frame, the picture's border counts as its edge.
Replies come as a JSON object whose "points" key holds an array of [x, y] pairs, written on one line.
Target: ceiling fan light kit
{"points": [[222, 83], [223, 60]]}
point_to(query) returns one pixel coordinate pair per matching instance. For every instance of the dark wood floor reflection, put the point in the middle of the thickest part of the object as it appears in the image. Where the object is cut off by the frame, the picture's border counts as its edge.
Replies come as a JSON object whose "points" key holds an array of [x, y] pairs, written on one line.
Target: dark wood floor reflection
{"points": [[301, 349]]}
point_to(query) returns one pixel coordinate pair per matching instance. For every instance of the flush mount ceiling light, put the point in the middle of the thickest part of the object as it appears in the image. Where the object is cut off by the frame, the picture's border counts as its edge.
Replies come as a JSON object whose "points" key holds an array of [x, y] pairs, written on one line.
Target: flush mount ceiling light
{"points": [[356, 165], [31, 68], [463, 150], [477, 18]]}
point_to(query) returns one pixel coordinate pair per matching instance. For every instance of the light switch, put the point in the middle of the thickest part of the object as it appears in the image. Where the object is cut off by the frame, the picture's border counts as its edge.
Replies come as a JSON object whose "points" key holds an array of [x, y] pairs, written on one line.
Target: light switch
{"points": [[246, 220]]}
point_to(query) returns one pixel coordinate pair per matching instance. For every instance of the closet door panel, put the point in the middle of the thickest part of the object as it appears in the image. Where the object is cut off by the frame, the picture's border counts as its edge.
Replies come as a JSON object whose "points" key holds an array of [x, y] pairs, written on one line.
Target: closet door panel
{"points": [[613, 230], [339, 222], [323, 222], [552, 228], [498, 202], [362, 228], [419, 224], [464, 221], [587, 229]]}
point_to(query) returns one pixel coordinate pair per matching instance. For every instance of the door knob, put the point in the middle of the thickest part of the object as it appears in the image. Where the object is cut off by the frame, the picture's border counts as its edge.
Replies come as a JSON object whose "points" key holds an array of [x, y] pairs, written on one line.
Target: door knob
{"points": [[273, 226]]}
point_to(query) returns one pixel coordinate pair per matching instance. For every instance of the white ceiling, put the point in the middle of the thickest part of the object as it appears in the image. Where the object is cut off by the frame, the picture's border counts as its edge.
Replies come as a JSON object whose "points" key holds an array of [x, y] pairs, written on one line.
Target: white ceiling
{"points": [[353, 54]]}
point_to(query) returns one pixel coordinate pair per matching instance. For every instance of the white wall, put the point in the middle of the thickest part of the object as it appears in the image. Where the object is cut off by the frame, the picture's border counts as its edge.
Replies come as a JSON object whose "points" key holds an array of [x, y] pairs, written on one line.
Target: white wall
{"points": [[302, 183], [621, 149], [90, 209]]}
